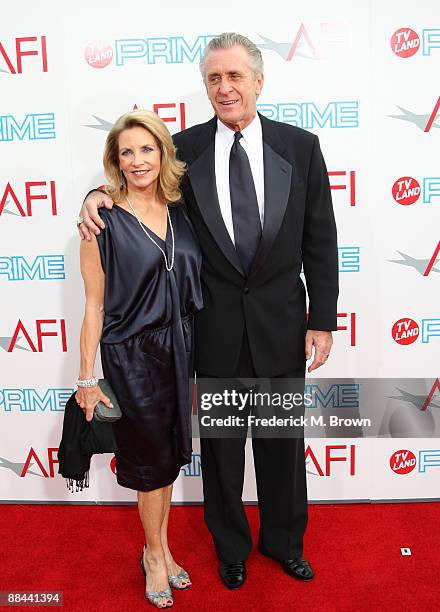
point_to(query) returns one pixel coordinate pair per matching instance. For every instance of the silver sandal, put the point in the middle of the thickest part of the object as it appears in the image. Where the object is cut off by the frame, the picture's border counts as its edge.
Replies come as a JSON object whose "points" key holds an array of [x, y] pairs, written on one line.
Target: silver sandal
{"points": [[176, 581], [156, 597]]}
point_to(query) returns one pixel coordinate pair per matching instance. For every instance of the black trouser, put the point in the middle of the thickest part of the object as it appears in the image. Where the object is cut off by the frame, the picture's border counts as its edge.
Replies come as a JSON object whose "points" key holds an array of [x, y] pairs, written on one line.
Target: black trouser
{"points": [[281, 488]]}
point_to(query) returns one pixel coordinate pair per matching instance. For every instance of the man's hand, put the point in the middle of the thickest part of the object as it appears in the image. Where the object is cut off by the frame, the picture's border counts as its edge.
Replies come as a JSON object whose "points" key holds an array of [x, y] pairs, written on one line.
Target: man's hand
{"points": [[89, 212], [322, 341]]}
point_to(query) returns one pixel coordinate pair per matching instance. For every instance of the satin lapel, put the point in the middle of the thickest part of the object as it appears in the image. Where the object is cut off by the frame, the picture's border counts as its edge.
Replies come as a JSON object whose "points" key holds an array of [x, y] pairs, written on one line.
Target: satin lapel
{"points": [[202, 177], [277, 185]]}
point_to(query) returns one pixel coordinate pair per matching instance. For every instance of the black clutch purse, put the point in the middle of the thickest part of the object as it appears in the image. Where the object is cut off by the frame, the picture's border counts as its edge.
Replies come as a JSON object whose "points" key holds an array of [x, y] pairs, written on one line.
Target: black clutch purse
{"points": [[102, 413]]}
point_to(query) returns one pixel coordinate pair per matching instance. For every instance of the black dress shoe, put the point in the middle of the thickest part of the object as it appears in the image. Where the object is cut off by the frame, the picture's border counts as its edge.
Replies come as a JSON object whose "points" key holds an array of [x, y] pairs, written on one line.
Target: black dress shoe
{"points": [[298, 568], [233, 574]]}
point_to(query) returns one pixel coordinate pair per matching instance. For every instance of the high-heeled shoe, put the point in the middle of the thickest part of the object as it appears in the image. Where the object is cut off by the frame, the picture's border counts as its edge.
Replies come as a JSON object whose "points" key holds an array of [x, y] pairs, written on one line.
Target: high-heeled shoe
{"points": [[156, 597], [176, 581]]}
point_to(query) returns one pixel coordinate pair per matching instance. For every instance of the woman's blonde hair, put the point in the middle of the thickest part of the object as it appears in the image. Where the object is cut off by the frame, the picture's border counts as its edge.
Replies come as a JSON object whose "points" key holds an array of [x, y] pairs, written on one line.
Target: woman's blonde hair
{"points": [[171, 169]]}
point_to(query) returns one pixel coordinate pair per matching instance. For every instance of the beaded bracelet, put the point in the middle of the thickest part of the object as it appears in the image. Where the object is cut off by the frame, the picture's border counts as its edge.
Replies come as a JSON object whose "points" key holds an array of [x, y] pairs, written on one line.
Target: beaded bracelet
{"points": [[91, 382]]}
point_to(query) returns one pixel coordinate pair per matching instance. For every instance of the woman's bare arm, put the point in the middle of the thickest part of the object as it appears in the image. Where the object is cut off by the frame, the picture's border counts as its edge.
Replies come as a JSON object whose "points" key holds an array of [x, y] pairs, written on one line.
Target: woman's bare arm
{"points": [[91, 329]]}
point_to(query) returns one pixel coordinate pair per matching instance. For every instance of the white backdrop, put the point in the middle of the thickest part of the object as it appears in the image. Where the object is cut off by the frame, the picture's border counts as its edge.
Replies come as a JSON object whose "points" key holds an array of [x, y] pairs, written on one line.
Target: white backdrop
{"points": [[362, 76]]}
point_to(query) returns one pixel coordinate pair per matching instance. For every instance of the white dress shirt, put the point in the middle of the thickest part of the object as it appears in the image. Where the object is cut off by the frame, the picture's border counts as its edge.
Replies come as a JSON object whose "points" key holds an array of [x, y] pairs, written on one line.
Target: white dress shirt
{"points": [[252, 142]]}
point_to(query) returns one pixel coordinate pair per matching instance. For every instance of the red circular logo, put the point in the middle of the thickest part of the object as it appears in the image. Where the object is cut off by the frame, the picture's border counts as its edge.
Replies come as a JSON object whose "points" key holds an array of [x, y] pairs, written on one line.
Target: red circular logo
{"points": [[405, 331], [113, 465], [406, 190], [403, 461], [98, 55], [405, 42]]}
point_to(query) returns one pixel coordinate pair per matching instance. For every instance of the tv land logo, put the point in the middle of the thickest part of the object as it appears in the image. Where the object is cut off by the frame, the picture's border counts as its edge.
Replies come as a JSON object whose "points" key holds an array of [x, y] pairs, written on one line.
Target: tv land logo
{"points": [[13, 51], [309, 115], [33, 400], [40, 330], [423, 266], [98, 54], [32, 126], [405, 42], [40, 267], [327, 38], [157, 50], [333, 454], [403, 462], [19, 200], [423, 121], [406, 190], [406, 331], [169, 112]]}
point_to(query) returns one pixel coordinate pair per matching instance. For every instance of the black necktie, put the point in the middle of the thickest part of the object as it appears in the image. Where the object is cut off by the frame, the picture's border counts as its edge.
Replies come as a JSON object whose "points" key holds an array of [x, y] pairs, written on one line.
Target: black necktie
{"points": [[244, 204]]}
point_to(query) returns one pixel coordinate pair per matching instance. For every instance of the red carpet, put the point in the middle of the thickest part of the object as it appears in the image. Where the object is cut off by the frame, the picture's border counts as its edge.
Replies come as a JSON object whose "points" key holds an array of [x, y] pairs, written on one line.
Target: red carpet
{"points": [[91, 554]]}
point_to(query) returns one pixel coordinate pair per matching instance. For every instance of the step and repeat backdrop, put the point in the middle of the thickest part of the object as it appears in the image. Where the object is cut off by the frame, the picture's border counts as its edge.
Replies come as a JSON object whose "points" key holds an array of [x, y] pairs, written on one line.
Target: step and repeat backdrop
{"points": [[362, 76]]}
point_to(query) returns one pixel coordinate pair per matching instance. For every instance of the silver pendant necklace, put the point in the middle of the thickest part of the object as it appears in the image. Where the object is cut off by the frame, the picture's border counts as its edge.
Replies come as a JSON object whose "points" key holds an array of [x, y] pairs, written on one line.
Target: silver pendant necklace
{"points": [[168, 267]]}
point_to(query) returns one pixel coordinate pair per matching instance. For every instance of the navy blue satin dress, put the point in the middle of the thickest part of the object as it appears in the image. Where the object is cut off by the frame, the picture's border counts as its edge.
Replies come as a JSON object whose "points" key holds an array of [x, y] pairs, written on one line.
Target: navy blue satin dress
{"points": [[147, 343]]}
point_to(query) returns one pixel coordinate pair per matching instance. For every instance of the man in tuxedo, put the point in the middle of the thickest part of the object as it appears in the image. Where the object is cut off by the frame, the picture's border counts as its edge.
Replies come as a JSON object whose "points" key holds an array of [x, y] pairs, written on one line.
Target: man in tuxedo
{"points": [[258, 196]]}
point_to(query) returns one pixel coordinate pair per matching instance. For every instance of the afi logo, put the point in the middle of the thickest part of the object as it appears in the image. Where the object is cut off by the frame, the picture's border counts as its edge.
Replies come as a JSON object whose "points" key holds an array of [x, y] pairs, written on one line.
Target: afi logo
{"points": [[435, 387], [32, 459], [423, 266], [347, 182], [423, 122], [169, 112], [330, 37], [20, 48], [407, 190], [23, 201], [175, 114], [333, 454], [349, 325], [43, 328]]}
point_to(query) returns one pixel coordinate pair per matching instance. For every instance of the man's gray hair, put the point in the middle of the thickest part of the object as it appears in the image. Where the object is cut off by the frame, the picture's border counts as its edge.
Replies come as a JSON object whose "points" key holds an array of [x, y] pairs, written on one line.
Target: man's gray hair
{"points": [[232, 39]]}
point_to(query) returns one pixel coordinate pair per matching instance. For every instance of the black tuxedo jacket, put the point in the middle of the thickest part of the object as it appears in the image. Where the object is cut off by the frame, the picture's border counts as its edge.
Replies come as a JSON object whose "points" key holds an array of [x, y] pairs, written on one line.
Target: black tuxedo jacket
{"points": [[299, 229]]}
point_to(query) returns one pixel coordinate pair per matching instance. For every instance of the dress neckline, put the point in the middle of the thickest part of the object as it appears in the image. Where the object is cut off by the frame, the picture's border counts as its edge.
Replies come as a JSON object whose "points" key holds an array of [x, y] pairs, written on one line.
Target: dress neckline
{"points": [[146, 226]]}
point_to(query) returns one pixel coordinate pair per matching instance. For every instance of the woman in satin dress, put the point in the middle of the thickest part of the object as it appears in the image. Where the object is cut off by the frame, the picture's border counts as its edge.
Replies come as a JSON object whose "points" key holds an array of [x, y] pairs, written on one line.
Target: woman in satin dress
{"points": [[142, 284]]}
